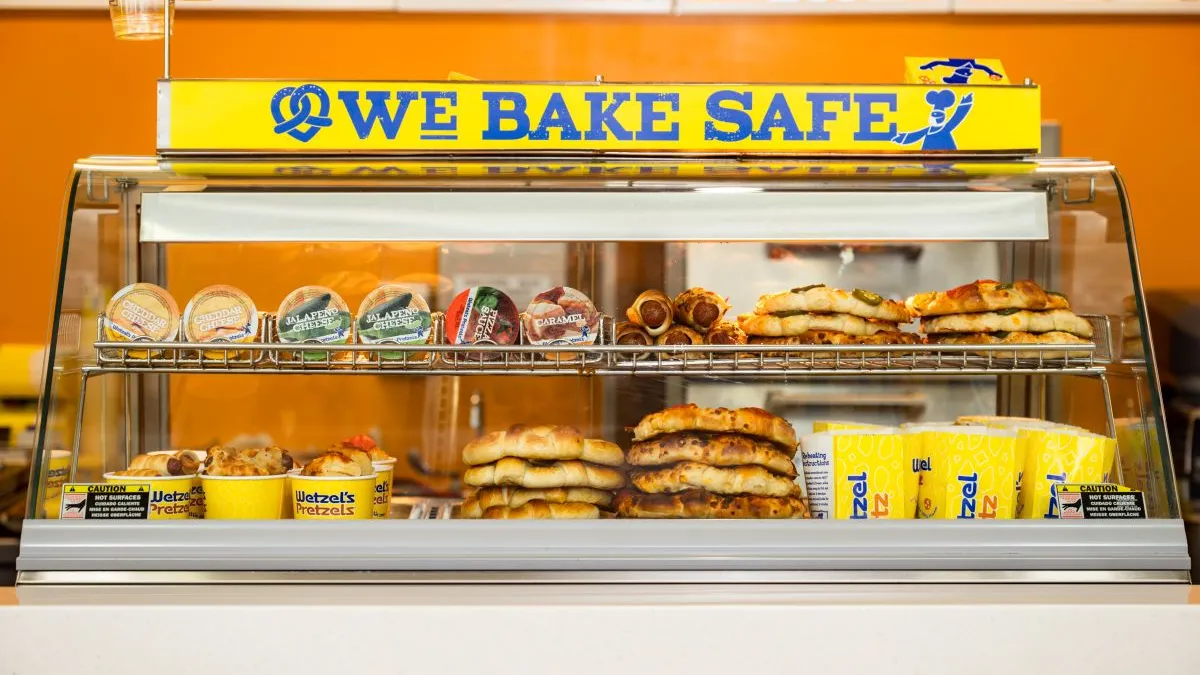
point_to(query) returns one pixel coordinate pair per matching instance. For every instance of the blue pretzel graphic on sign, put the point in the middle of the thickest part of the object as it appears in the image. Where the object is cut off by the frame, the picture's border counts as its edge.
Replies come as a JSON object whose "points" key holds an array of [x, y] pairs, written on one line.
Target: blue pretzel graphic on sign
{"points": [[303, 123]]}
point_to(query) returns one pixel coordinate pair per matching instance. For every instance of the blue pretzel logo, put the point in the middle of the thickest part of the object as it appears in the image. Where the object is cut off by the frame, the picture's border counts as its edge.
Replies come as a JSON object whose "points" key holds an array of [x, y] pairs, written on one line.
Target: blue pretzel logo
{"points": [[303, 123]]}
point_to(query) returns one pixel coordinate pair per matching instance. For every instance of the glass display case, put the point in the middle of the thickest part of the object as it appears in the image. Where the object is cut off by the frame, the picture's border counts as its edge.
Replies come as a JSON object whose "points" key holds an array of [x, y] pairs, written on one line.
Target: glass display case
{"points": [[515, 338]]}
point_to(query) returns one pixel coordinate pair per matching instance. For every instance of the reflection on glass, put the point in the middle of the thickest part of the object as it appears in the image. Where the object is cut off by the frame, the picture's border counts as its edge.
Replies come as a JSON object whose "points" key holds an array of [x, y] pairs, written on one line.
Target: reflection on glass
{"points": [[139, 19]]}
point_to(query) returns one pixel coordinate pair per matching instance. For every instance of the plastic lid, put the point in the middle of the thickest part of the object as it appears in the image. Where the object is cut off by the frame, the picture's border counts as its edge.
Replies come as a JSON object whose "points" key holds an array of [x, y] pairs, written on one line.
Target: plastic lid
{"points": [[142, 311]]}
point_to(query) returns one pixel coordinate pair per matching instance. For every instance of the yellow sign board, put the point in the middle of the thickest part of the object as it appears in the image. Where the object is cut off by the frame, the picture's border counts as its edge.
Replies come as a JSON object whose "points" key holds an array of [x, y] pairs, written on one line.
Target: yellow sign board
{"points": [[215, 116], [760, 170], [939, 70]]}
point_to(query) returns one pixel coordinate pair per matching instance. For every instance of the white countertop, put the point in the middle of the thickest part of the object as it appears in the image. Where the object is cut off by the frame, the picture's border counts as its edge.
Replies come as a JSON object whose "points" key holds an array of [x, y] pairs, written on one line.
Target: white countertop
{"points": [[495, 629]]}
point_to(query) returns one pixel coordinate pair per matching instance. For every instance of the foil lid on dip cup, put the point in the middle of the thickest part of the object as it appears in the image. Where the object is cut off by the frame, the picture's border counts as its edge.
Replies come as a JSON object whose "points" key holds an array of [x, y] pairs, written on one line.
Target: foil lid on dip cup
{"points": [[141, 312], [393, 314], [482, 314], [314, 314], [220, 314], [561, 315]]}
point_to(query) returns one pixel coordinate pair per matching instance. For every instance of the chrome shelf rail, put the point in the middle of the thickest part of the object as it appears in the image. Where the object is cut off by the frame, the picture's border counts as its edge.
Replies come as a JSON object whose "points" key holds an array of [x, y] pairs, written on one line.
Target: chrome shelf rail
{"points": [[268, 356]]}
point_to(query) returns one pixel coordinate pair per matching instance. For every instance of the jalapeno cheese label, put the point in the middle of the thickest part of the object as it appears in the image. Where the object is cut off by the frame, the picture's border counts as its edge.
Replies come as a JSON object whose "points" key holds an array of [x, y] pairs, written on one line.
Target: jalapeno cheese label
{"points": [[394, 314], [141, 311], [314, 314]]}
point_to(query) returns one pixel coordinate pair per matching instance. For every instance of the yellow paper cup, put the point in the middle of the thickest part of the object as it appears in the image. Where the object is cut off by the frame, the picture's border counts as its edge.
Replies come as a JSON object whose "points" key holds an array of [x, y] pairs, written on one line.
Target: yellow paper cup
{"points": [[197, 491], [1056, 456], [56, 477], [286, 508], [170, 496], [857, 474], [834, 425], [384, 471], [243, 497], [333, 497], [968, 473]]}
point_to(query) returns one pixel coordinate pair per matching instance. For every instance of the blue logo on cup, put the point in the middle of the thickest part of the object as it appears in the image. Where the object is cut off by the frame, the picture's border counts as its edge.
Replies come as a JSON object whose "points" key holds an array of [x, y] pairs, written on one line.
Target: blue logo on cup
{"points": [[301, 121]]}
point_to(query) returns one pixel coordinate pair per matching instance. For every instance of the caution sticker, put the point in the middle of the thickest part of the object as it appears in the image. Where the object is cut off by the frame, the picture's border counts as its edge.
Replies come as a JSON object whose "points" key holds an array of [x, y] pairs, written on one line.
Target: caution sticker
{"points": [[1085, 501], [103, 501]]}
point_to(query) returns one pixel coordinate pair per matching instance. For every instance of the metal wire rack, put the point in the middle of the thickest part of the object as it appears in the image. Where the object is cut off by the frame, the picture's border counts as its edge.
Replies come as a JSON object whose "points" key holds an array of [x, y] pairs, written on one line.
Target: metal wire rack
{"points": [[268, 356]]}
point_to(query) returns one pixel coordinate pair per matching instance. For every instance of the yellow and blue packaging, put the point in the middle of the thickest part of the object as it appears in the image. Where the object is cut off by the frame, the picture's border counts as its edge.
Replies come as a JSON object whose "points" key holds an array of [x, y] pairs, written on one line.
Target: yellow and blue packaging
{"points": [[966, 472], [857, 474], [1056, 456]]}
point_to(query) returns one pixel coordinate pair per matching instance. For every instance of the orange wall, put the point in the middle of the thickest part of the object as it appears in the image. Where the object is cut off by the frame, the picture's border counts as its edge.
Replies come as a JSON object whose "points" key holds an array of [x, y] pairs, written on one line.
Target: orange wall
{"points": [[70, 90]]}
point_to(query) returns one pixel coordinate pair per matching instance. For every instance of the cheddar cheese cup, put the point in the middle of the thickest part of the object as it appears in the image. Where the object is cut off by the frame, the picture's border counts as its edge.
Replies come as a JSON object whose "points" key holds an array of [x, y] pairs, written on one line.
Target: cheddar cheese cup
{"points": [[384, 473], [243, 497], [967, 472], [221, 313], [333, 497], [170, 496], [56, 476], [857, 474], [1056, 456], [140, 312]]}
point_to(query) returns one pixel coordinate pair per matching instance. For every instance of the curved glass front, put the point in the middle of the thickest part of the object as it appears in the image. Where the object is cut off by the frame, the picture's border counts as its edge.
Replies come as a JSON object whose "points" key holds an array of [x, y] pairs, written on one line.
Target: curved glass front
{"points": [[804, 270]]}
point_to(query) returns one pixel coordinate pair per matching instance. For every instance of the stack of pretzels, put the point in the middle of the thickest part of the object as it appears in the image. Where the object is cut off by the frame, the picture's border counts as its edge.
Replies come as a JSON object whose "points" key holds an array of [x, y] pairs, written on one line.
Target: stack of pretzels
{"points": [[693, 462], [544, 472]]}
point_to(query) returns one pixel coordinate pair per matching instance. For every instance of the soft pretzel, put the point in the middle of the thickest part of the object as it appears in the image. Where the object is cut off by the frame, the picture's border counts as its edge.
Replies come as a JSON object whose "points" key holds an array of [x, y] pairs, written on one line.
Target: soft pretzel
{"points": [[821, 299], [161, 465], [342, 462], [691, 417], [1018, 338], [772, 325], [235, 467], [629, 333], [737, 480], [544, 511], [367, 444], [486, 498], [273, 460], [701, 504], [699, 309], [541, 443], [512, 471], [1062, 320], [725, 333], [188, 461], [714, 449], [651, 310], [986, 296], [677, 335], [139, 473]]}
